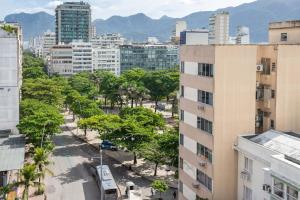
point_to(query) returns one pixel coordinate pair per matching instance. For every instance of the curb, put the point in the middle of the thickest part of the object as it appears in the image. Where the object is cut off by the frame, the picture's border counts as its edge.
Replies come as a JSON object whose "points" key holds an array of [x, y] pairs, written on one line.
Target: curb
{"points": [[127, 166]]}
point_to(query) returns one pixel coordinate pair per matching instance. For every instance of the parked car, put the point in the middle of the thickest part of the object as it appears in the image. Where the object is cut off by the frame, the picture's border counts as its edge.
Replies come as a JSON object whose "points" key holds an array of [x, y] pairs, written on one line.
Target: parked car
{"points": [[107, 145], [161, 107]]}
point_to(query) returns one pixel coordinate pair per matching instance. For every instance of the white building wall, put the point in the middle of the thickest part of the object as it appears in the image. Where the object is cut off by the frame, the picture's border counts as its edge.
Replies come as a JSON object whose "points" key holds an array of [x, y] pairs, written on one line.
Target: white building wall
{"points": [[107, 58], [188, 193], [197, 38], [190, 169], [191, 68], [191, 94], [190, 144], [190, 119]]}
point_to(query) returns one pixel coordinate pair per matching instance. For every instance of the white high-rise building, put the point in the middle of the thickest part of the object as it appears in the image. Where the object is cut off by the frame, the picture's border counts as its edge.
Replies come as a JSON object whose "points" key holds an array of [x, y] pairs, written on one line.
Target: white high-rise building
{"points": [[107, 59], [82, 57], [108, 40], [10, 75], [180, 26], [48, 42], [219, 28], [243, 35]]}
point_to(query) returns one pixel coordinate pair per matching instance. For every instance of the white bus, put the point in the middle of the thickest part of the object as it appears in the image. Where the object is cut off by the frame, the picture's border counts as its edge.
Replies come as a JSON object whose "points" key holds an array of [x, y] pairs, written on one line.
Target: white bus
{"points": [[108, 187]]}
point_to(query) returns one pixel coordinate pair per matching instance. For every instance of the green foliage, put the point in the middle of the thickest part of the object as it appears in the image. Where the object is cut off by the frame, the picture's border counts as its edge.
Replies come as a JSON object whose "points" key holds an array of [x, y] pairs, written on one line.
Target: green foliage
{"points": [[29, 60], [5, 190], [82, 83], [9, 28], [29, 175], [38, 118], [143, 116], [45, 90], [160, 186], [104, 124], [34, 73], [84, 107]]}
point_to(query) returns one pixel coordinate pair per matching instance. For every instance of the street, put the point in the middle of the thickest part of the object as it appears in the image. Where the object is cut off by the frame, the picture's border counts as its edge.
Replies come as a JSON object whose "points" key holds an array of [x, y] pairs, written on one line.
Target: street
{"points": [[72, 179]]}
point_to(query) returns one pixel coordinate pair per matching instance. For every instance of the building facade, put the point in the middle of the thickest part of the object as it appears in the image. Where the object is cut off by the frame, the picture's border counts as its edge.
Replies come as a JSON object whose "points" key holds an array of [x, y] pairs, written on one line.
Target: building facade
{"points": [[269, 166], [149, 57], [10, 75], [287, 32], [73, 22], [82, 58], [107, 59], [48, 42], [243, 35], [194, 37], [108, 40], [253, 89], [61, 60], [219, 28]]}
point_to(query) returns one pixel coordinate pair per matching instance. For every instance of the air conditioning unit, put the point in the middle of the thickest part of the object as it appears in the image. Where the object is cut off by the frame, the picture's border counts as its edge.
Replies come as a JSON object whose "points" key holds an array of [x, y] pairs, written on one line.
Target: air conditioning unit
{"points": [[196, 185], [259, 68], [245, 175], [202, 163]]}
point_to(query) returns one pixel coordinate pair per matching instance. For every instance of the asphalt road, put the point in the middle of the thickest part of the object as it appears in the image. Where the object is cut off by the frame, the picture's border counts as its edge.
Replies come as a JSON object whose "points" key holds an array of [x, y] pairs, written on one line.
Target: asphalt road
{"points": [[73, 180]]}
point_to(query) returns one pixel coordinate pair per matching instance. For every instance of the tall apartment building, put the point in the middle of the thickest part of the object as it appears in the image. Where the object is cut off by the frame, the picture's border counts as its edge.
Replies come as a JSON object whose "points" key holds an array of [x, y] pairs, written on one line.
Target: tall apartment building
{"points": [[10, 75], [48, 42], [107, 59], [243, 35], [269, 166], [61, 60], [73, 22], [179, 27], [252, 89], [82, 57], [149, 57], [219, 28]]}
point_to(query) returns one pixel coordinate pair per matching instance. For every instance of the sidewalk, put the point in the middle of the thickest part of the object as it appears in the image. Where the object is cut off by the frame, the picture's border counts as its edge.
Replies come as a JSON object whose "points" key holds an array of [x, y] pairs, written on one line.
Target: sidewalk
{"points": [[142, 168]]}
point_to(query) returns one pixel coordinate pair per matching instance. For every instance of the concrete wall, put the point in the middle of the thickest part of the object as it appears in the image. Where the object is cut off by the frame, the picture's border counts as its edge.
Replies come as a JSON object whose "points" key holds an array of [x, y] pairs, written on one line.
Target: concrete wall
{"points": [[293, 35]]}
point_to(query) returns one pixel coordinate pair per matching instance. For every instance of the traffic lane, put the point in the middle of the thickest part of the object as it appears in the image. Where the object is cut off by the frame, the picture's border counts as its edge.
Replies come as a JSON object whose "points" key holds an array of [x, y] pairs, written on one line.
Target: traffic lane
{"points": [[71, 179]]}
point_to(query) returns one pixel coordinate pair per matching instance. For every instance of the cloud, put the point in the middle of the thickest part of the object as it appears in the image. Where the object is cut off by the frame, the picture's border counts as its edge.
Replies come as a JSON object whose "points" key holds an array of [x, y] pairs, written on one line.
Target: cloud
{"points": [[106, 8]]}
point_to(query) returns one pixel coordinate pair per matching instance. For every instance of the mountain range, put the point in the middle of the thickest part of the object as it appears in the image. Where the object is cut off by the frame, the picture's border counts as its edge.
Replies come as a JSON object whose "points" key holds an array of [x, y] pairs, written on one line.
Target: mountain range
{"points": [[256, 15]]}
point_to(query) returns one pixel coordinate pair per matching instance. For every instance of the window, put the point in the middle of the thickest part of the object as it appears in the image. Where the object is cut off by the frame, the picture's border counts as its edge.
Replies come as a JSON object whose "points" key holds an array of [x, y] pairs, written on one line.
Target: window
{"points": [[278, 188], [180, 186], [248, 165], [272, 124], [204, 180], [273, 67], [181, 139], [204, 151], [204, 125], [284, 37], [292, 193], [182, 67], [182, 115], [266, 62], [247, 193], [205, 97], [273, 94], [181, 163], [182, 91], [205, 69]]}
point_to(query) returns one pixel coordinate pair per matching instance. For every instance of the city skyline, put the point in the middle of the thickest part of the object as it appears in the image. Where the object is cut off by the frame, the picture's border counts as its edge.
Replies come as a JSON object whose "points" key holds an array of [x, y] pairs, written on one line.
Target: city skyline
{"points": [[104, 9]]}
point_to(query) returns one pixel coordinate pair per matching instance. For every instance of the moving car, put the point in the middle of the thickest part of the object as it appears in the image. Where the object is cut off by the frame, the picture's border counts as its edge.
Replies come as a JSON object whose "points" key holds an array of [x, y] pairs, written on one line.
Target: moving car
{"points": [[107, 145]]}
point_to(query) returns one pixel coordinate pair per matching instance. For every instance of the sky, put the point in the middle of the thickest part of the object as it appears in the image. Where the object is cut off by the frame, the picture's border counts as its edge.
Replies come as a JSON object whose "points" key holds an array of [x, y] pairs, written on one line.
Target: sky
{"points": [[103, 9]]}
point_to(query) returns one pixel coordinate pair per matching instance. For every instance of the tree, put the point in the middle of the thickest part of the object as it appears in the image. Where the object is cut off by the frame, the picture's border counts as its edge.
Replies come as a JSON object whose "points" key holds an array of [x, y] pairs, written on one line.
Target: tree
{"points": [[131, 135], [40, 159], [144, 116], [160, 186], [40, 122], [34, 73], [84, 107], [5, 190], [104, 124], [29, 60], [109, 86], [174, 101], [81, 82], [45, 90], [28, 178]]}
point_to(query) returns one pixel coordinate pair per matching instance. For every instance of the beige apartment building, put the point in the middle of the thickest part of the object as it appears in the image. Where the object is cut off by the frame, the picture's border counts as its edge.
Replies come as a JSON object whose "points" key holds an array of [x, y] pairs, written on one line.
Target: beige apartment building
{"points": [[226, 91]]}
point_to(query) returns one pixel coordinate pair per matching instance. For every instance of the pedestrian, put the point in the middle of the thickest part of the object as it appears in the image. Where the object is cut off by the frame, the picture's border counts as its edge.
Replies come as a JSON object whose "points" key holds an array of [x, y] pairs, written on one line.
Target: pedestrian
{"points": [[152, 192], [174, 194]]}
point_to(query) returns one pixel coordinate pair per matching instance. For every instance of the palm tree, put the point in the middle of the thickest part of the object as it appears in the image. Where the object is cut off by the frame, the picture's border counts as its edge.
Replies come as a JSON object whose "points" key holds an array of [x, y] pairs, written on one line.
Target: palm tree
{"points": [[5, 190], [41, 161], [28, 177]]}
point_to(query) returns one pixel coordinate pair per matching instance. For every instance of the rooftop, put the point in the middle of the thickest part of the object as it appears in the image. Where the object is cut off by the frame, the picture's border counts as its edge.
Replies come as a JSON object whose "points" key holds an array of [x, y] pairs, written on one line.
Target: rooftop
{"points": [[287, 143], [12, 151], [285, 24]]}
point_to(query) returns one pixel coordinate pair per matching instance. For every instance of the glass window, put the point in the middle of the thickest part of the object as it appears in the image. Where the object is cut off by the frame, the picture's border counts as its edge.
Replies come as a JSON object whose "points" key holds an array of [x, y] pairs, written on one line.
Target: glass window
{"points": [[278, 188], [181, 139], [284, 37], [292, 193], [248, 164], [182, 115]]}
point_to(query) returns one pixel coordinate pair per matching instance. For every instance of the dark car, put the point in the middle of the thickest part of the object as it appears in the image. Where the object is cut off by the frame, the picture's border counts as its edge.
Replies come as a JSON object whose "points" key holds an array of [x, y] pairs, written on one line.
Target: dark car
{"points": [[107, 145]]}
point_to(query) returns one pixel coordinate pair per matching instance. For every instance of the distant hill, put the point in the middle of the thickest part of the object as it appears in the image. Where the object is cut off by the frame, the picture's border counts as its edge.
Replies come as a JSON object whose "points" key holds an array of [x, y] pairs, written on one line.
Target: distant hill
{"points": [[256, 15], [33, 24]]}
